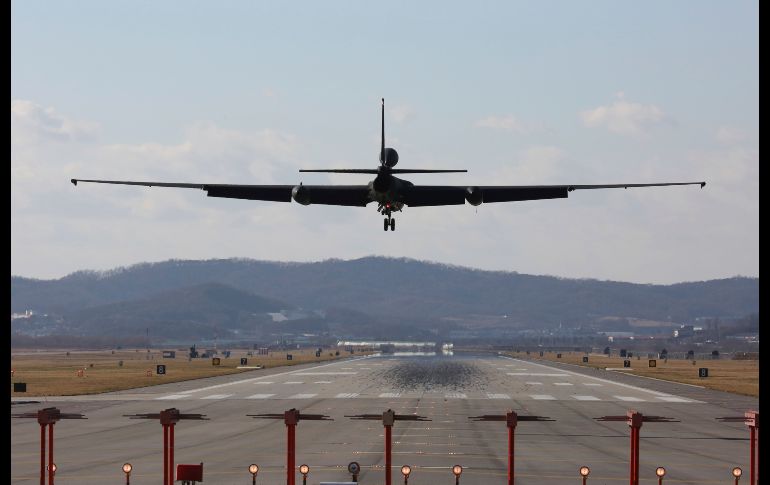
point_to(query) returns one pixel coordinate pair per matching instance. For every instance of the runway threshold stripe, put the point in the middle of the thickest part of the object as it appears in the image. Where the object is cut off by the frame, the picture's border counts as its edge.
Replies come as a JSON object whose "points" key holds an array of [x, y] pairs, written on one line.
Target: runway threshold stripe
{"points": [[538, 374], [586, 398], [629, 398], [674, 399], [455, 395], [303, 396], [172, 396], [542, 397], [390, 394], [346, 395], [562, 384], [216, 396], [498, 396]]}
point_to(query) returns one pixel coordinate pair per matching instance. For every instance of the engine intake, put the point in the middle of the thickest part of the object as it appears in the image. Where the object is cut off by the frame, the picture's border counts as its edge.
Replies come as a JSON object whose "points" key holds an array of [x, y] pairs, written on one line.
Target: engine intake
{"points": [[301, 194], [474, 196]]}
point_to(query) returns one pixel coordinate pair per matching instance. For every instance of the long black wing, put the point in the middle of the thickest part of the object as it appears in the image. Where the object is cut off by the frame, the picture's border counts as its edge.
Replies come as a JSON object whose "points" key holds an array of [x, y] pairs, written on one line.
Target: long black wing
{"points": [[433, 195], [347, 195]]}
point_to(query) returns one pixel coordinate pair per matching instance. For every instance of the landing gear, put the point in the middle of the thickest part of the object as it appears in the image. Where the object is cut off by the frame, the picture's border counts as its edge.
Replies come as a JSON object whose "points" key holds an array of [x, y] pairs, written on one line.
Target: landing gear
{"points": [[387, 209]]}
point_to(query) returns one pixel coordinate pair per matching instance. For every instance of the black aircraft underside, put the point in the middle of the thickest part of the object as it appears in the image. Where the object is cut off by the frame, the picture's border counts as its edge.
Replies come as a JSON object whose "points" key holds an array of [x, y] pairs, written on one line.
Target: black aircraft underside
{"points": [[388, 191]]}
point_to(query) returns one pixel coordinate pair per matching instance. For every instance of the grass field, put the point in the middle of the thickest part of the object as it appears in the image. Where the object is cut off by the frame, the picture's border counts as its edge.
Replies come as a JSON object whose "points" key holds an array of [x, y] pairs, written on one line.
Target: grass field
{"points": [[55, 373], [737, 376]]}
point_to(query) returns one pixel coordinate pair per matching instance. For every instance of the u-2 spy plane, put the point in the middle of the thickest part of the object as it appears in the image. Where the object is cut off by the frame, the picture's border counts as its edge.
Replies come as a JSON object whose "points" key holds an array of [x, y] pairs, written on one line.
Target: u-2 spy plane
{"points": [[389, 192]]}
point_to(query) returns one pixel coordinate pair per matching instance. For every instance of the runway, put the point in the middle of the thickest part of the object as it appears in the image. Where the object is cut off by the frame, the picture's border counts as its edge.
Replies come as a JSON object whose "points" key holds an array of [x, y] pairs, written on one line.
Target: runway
{"points": [[447, 390]]}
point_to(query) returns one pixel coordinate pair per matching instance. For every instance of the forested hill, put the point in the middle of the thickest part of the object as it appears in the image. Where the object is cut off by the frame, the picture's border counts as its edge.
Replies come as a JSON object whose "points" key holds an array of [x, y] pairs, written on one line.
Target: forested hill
{"points": [[400, 289]]}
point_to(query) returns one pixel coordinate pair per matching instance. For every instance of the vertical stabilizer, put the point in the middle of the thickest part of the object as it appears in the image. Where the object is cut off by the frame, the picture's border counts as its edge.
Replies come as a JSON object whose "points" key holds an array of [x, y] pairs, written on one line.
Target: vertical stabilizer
{"points": [[382, 144]]}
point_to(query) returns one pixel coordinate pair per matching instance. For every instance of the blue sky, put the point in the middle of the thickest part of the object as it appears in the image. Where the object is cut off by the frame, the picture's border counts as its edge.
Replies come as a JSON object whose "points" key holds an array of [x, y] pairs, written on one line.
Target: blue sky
{"points": [[518, 93]]}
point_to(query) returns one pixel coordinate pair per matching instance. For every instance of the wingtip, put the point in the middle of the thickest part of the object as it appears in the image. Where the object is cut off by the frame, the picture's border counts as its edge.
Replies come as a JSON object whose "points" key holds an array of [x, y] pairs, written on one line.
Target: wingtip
{"points": [[74, 182], [702, 184]]}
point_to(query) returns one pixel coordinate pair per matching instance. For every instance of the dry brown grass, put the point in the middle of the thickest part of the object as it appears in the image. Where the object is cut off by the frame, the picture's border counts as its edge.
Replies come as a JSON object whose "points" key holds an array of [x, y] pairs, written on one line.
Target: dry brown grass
{"points": [[54, 373], [736, 376]]}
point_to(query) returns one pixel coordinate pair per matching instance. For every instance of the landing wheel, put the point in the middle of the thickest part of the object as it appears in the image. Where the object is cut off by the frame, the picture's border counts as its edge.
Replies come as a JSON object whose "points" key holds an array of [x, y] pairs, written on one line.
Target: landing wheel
{"points": [[392, 224], [385, 225]]}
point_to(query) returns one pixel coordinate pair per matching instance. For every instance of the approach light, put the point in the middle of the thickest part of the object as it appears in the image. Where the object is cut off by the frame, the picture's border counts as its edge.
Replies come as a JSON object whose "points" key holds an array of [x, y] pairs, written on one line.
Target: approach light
{"points": [[406, 470], [457, 470], [127, 468], [304, 469], [660, 471], [253, 469], [737, 472], [584, 471]]}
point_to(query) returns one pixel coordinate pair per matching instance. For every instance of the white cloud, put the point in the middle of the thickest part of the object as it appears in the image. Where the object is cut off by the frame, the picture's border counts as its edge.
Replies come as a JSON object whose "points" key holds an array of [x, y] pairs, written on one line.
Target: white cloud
{"points": [[505, 123], [728, 135], [31, 121], [624, 117], [401, 113]]}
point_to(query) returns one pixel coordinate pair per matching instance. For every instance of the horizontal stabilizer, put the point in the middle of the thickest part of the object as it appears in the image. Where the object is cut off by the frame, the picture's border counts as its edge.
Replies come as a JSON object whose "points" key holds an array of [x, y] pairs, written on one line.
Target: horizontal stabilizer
{"points": [[376, 171]]}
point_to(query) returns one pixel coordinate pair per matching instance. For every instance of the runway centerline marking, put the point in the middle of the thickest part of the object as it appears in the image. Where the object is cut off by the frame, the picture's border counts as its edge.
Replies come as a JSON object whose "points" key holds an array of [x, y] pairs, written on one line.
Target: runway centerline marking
{"points": [[390, 394], [562, 384], [629, 398], [172, 396], [346, 395], [534, 383], [542, 397], [216, 396], [325, 373], [293, 382], [491, 395], [322, 382], [260, 396]]}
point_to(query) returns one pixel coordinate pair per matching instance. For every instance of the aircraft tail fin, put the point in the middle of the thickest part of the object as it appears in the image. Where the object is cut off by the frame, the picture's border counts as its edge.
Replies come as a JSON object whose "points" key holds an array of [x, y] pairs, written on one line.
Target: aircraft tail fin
{"points": [[382, 139]]}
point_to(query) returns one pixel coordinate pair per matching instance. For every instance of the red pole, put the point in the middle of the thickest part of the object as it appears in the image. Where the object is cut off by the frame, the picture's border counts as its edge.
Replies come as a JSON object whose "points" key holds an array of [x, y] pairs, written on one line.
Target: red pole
{"points": [[290, 455], [42, 454], [388, 448], [165, 455], [636, 458], [50, 454], [171, 454], [510, 455], [631, 461], [752, 459]]}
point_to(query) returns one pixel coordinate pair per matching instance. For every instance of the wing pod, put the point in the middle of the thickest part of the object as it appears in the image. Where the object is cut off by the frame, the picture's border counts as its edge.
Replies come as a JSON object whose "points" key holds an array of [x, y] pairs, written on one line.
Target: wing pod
{"points": [[474, 195], [301, 194]]}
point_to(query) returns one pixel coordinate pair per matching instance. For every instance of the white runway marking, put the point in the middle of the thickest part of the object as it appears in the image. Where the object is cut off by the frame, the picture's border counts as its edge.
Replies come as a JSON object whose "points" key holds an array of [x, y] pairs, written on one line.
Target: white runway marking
{"points": [[390, 394], [346, 395], [347, 368], [674, 399], [264, 382], [534, 383], [591, 384], [217, 396], [302, 396], [586, 398], [260, 396], [173, 396], [293, 382], [542, 397], [325, 373], [455, 395], [538, 374], [497, 396], [322, 382], [562, 384], [629, 398]]}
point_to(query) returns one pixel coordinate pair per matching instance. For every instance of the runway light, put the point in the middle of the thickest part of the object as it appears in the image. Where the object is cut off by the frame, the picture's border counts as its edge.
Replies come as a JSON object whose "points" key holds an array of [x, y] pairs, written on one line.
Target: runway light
{"points": [[304, 470], [253, 469], [584, 472], [457, 470], [737, 472], [660, 472], [406, 470], [51, 467], [127, 467]]}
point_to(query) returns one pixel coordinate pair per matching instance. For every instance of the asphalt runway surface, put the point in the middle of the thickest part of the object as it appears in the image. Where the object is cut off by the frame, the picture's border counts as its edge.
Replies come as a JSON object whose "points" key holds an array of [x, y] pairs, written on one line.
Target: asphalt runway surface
{"points": [[447, 390]]}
